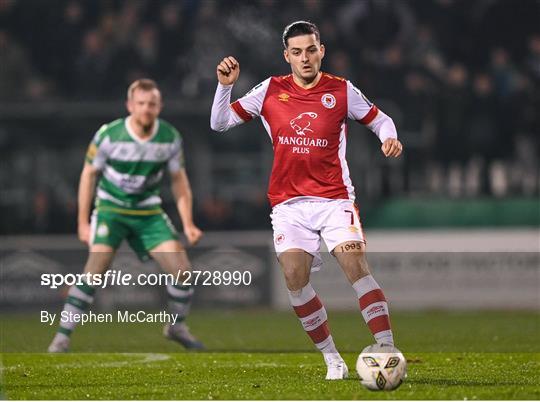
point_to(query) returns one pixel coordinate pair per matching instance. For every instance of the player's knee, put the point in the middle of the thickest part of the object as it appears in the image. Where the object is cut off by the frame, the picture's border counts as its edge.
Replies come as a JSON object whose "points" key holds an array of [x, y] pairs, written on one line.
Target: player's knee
{"points": [[353, 262], [295, 276], [99, 258], [101, 248], [357, 262], [169, 246]]}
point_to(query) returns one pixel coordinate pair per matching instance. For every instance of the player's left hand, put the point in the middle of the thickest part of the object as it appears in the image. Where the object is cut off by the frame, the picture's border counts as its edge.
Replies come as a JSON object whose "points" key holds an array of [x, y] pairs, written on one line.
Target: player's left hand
{"points": [[193, 234], [391, 148]]}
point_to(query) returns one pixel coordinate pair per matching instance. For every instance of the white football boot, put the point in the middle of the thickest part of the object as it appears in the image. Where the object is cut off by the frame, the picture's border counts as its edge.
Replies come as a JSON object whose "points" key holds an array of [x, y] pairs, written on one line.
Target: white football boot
{"points": [[336, 367], [59, 344]]}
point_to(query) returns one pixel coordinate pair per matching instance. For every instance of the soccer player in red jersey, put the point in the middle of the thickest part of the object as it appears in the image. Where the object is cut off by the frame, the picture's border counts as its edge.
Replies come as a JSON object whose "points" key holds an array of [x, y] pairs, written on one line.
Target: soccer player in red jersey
{"points": [[305, 115]]}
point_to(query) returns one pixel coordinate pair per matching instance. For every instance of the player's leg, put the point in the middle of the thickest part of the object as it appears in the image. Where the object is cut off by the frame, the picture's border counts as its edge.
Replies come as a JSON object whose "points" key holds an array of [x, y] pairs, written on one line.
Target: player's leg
{"points": [[107, 234], [351, 257], [291, 240], [158, 236], [81, 295], [344, 236], [296, 266]]}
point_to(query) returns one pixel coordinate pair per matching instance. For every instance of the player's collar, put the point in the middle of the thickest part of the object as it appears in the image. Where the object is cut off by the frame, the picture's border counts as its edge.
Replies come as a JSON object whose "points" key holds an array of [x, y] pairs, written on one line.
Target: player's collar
{"points": [[307, 90], [135, 137]]}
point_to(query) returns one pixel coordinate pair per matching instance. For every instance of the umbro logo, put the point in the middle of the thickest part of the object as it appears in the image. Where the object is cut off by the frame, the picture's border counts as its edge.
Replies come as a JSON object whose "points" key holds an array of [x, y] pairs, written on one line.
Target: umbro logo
{"points": [[312, 322], [374, 310], [283, 97]]}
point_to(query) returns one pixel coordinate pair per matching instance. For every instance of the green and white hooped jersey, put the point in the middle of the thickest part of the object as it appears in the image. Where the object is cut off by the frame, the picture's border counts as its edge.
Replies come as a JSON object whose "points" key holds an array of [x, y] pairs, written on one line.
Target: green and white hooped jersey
{"points": [[132, 168]]}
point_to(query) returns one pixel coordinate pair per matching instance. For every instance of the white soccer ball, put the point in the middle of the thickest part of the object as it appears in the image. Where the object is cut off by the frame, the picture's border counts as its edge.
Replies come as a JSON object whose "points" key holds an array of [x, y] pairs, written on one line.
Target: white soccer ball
{"points": [[381, 367]]}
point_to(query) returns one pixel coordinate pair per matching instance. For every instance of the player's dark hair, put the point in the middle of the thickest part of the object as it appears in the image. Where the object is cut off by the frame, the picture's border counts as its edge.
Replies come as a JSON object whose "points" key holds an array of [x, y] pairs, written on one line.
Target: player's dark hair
{"points": [[299, 28], [146, 84]]}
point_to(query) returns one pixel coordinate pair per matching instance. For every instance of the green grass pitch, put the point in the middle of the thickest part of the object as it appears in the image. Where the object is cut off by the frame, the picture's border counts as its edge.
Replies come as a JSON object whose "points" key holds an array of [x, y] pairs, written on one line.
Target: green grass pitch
{"points": [[265, 355]]}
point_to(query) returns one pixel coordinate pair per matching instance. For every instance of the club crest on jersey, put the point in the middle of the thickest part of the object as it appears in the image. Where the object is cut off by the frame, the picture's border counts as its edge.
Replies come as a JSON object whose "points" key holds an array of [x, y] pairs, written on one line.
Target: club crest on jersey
{"points": [[302, 122], [328, 101]]}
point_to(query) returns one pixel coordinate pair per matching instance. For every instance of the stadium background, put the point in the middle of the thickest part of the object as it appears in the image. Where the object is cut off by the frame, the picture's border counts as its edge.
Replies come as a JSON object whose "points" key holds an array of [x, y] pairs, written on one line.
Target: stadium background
{"points": [[461, 80]]}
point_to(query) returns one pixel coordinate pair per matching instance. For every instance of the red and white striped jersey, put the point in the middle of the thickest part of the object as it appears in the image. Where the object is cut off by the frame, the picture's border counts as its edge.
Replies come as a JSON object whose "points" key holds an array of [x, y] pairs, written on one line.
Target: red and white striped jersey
{"points": [[308, 130]]}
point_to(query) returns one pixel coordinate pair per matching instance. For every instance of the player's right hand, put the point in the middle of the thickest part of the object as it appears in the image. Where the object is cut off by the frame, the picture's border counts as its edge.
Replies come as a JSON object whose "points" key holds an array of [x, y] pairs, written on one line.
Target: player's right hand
{"points": [[83, 231], [392, 147], [228, 71]]}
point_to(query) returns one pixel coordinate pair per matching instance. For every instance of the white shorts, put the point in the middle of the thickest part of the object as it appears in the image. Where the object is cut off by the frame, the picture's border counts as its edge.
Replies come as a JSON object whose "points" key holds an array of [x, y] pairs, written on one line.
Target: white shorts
{"points": [[301, 224]]}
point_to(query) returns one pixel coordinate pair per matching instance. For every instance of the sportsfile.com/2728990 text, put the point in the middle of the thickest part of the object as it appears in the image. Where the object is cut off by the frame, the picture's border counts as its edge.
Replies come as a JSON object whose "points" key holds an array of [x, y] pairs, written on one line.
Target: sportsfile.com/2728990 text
{"points": [[119, 278]]}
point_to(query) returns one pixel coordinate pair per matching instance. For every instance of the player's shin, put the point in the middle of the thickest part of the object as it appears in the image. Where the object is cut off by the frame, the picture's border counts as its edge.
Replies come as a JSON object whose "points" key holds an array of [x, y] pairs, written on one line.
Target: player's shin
{"points": [[179, 301], [79, 299], [312, 315], [374, 309]]}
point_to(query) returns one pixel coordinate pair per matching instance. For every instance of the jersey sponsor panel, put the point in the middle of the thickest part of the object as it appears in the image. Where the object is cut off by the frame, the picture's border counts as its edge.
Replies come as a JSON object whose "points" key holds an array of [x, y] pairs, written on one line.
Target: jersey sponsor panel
{"points": [[310, 142], [132, 183]]}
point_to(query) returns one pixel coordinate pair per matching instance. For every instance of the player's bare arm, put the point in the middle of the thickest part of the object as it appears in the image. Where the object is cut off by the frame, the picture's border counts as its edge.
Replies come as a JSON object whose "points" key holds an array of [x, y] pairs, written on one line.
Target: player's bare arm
{"points": [[228, 71], [87, 185], [392, 147], [184, 203]]}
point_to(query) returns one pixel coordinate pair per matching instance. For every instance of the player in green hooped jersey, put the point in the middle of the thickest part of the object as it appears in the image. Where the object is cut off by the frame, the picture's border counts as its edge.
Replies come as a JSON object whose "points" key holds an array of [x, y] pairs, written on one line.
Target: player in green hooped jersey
{"points": [[127, 159]]}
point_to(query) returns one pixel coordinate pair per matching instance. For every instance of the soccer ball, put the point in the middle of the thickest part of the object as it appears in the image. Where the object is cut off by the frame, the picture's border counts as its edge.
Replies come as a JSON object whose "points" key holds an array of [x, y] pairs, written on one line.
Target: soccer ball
{"points": [[381, 367]]}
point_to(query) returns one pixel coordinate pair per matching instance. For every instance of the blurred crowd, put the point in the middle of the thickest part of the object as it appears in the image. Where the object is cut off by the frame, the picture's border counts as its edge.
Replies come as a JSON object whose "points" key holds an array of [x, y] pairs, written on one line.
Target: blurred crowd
{"points": [[460, 78], [93, 49]]}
